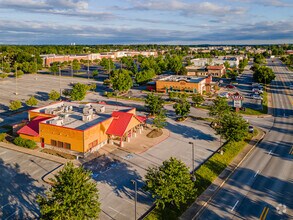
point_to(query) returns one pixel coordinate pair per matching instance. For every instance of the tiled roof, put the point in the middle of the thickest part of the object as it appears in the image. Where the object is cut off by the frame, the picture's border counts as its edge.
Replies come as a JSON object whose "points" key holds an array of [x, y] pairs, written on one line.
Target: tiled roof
{"points": [[32, 128], [215, 67], [119, 123]]}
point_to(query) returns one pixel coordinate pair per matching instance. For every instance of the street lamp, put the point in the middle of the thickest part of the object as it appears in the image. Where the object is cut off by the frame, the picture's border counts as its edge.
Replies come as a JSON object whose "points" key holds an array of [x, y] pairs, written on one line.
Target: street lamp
{"points": [[88, 68], [60, 81], [16, 88], [193, 177], [134, 182]]}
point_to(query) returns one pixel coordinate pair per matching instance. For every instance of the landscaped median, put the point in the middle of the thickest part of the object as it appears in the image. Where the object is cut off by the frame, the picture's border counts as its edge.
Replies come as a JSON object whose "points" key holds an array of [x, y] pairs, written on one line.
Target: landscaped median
{"points": [[205, 175], [249, 111]]}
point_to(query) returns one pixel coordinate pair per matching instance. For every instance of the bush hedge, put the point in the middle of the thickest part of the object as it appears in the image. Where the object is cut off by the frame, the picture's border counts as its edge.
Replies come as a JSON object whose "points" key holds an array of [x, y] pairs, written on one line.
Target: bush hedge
{"points": [[2, 137], [25, 143]]}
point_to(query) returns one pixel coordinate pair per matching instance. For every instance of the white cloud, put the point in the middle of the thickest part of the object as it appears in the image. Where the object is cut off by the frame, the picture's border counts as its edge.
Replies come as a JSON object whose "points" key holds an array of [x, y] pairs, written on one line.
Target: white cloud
{"points": [[273, 3], [184, 8], [74, 8]]}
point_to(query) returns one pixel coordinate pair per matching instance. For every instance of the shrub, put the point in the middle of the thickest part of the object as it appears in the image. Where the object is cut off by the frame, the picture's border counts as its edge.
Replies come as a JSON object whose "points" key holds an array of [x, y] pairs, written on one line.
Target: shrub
{"points": [[2, 137], [25, 143], [15, 105]]}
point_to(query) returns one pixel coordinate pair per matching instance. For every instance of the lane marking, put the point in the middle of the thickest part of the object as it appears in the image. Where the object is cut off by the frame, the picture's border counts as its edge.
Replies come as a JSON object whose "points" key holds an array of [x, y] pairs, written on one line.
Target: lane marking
{"points": [[291, 151], [234, 206], [264, 213], [270, 152], [116, 211], [256, 173]]}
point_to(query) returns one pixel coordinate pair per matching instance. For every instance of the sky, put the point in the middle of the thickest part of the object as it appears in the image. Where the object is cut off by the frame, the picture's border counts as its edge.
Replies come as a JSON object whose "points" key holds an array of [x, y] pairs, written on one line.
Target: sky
{"points": [[146, 21]]}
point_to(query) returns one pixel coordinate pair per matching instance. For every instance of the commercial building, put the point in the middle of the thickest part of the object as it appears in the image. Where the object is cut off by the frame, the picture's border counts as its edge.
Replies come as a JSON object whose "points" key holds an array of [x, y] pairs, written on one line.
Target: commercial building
{"points": [[232, 60], [51, 58], [215, 71], [184, 84], [81, 128]]}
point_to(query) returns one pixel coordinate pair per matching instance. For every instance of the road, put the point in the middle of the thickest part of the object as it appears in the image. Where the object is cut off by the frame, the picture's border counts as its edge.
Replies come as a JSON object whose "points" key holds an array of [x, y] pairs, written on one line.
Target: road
{"points": [[265, 178]]}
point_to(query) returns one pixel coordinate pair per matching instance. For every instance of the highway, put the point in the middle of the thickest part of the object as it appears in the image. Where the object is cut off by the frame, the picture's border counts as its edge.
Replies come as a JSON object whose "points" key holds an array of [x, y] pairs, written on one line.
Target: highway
{"points": [[262, 186]]}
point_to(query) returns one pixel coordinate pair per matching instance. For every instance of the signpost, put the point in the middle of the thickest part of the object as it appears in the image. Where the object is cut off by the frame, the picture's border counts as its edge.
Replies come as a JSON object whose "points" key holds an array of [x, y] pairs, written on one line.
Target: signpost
{"points": [[237, 101]]}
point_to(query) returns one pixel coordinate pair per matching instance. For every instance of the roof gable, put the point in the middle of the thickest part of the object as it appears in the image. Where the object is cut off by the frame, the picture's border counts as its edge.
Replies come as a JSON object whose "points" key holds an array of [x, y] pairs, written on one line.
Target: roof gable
{"points": [[32, 128]]}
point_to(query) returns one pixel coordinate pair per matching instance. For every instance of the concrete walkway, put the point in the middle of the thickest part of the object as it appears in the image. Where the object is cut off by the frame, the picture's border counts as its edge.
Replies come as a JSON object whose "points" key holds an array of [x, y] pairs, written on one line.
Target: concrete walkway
{"points": [[201, 202]]}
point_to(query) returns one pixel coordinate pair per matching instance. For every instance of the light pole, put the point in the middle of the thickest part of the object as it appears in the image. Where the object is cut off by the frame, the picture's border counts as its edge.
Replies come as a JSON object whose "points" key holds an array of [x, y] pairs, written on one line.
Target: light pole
{"points": [[88, 68], [192, 146], [135, 198], [16, 89], [60, 80]]}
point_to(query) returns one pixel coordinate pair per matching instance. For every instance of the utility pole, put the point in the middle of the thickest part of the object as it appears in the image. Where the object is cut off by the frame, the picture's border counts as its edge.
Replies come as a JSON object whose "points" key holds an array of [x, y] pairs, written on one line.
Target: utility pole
{"points": [[134, 182]]}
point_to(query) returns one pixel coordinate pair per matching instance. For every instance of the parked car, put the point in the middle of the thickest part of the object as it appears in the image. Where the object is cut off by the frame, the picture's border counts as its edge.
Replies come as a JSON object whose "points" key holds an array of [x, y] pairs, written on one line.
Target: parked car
{"points": [[257, 90], [224, 95], [250, 129], [257, 97], [230, 87], [291, 86]]}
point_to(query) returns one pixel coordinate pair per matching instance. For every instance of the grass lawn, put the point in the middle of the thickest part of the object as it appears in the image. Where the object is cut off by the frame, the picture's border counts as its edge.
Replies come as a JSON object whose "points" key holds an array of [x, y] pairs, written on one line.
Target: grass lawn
{"points": [[205, 175], [58, 153], [249, 111]]}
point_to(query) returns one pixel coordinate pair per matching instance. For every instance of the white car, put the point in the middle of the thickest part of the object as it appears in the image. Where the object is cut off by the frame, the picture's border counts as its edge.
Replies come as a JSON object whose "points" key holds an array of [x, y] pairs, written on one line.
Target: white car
{"points": [[257, 90], [257, 97], [224, 95]]}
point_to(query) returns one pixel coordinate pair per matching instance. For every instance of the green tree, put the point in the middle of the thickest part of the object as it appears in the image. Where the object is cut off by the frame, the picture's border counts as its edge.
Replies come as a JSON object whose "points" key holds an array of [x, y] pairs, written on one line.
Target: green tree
{"points": [[73, 195], [182, 108], [32, 101], [154, 103], [160, 120], [15, 105], [78, 91], [232, 127], [6, 67], [227, 64], [219, 108], [197, 99], [145, 76], [95, 73], [54, 68], [170, 184], [75, 65], [264, 74], [54, 95], [107, 64], [121, 80]]}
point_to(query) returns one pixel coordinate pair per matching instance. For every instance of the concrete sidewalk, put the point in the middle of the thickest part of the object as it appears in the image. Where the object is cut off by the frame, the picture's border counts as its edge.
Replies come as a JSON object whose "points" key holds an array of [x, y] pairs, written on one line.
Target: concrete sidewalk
{"points": [[38, 153], [201, 202]]}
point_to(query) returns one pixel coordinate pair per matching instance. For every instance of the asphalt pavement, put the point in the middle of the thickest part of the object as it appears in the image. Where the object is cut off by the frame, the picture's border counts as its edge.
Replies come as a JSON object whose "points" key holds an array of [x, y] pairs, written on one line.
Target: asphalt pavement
{"points": [[262, 185]]}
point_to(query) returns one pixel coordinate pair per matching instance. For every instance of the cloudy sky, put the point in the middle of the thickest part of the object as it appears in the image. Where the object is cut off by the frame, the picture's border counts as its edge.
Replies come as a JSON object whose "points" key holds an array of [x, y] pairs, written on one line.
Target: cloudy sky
{"points": [[146, 21]]}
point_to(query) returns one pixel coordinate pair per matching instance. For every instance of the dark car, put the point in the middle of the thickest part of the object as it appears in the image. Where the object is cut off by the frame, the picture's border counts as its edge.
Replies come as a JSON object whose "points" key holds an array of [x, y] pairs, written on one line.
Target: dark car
{"points": [[250, 129], [230, 87]]}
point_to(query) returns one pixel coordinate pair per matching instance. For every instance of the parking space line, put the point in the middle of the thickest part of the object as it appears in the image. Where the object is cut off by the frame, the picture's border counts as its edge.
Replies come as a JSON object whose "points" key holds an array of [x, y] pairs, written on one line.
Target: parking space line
{"points": [[116, 211]]}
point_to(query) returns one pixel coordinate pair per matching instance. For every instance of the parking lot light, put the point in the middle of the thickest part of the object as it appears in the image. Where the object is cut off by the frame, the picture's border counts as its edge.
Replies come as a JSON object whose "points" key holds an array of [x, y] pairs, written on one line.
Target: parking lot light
{"points": [[192, 146], [134, 182]]}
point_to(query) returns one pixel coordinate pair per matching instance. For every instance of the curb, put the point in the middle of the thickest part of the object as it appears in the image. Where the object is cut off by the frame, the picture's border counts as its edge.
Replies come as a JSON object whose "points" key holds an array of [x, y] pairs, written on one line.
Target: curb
{"points": [[46, 179], [225, 180]]}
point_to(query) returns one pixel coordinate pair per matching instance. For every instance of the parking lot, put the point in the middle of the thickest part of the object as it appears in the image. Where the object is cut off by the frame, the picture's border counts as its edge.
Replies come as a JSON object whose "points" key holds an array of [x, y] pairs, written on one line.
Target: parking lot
{"points": [[115, 171], [21, 182]]}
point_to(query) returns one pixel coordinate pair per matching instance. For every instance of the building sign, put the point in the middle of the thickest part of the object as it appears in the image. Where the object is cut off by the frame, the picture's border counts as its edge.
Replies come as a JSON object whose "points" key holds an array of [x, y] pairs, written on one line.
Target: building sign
{"points": [[182, 83], [237, 103]]}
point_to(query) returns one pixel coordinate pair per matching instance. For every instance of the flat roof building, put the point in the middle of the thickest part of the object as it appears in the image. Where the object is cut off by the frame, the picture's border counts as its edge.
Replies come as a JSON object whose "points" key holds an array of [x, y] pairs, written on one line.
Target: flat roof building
{"points": [[81, 127], [184, 84]]}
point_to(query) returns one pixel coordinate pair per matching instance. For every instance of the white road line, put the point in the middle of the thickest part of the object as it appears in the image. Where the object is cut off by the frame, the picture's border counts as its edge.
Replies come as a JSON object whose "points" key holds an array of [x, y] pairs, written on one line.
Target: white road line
{"points": [[5, 205], [234, 206], [256, 173], [12, 214], [117, 211], [270, 152]]}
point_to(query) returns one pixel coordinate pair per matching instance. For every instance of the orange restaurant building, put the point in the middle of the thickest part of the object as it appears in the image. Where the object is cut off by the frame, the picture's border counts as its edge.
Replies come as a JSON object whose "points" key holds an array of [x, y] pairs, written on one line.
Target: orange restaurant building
{"points": [[81, 128], [184, 84]]}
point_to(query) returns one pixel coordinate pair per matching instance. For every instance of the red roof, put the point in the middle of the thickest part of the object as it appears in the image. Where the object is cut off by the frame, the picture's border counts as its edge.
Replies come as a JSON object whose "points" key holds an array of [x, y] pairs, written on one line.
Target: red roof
{"points": [[215, 67], [32, 128], [119, 123], [141, 118]]}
